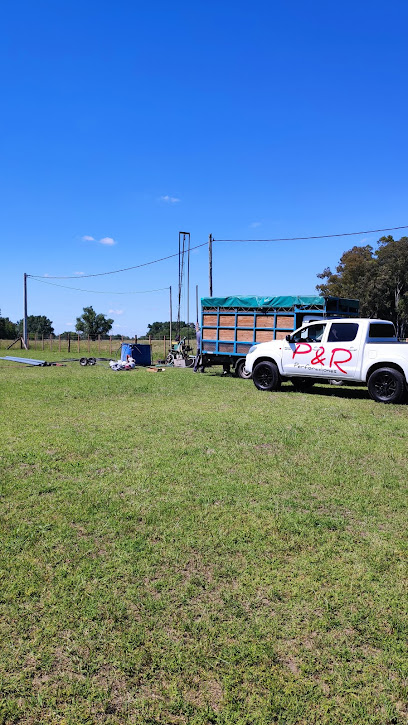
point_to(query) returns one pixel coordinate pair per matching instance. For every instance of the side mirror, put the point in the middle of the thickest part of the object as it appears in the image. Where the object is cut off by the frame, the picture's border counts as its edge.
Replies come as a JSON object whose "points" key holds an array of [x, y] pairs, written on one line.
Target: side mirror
{"points": [[288, 338]]}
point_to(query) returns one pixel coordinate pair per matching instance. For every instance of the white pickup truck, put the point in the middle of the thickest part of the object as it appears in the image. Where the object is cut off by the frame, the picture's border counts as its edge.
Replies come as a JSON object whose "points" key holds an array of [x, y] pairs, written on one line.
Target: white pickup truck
{"points": [[351, 349]]}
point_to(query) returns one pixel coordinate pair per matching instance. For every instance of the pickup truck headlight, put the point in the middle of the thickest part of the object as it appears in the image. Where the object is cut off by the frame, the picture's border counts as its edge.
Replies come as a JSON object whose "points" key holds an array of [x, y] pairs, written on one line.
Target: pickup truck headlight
{"points": [[251, 349]]}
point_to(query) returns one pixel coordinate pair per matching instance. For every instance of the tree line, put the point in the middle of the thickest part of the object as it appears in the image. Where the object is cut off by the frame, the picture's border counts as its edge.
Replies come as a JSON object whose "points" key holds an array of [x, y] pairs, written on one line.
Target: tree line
{"points": [[157, 330], [377, 277], [88, 324]]}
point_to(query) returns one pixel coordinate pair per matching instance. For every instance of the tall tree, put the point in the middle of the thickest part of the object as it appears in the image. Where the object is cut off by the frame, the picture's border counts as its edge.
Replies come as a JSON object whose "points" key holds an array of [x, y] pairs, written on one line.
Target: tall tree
{"points": [[93, 324], [8, 329], [379, 279], [37, 325]]}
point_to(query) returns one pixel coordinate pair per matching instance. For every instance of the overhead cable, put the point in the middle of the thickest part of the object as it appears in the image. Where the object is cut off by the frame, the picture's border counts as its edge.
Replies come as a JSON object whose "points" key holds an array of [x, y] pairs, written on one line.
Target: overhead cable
{"points": [[198, 246], [116, 271], [321, 236], [98, 292]]}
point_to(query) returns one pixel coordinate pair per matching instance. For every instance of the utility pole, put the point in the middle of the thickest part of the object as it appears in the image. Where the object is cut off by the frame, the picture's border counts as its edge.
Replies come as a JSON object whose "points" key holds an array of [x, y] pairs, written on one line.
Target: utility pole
{"points": [[188, 289], [210, 241], [171, 318], [25, 330]]}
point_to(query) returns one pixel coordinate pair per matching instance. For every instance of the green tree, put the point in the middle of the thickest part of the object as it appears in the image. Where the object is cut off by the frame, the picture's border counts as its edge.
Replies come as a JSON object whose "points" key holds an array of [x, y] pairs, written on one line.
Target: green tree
{"points": [[37, 325], [93, 324], [8, 329], [157, 330], [379, 279]]}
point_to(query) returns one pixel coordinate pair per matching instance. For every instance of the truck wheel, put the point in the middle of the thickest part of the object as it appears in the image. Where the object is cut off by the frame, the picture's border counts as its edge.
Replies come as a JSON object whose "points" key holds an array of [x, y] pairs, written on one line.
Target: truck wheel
{"points": [[302, 385], [386, 385], [266, 376], [240, 371]]}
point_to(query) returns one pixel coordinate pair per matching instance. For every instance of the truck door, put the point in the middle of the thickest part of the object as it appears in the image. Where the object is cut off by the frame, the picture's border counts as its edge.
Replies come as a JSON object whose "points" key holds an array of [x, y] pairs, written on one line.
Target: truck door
{"points": [[340, 353], [298, 355]]}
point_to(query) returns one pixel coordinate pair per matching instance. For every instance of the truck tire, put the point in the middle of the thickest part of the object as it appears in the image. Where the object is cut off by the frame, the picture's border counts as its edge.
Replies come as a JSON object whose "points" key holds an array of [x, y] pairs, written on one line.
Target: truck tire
{"points": [[240, 371], [302, 385], [386, 385], [266, 376]]}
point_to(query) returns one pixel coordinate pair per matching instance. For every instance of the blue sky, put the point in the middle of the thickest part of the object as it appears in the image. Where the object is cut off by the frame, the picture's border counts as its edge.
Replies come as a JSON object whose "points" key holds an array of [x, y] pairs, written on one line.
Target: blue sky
{"points": [[124, 123]]}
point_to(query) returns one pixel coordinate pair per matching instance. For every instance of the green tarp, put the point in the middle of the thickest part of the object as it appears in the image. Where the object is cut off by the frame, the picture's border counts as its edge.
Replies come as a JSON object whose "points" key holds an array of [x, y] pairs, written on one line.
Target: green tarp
{"points": [[255, 302]]}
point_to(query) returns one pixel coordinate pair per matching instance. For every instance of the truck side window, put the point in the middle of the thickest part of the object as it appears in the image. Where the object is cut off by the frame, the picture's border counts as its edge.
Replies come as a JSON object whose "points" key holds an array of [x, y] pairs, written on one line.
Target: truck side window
{"points": [[343, 332], [381, 329], [313, 333]]}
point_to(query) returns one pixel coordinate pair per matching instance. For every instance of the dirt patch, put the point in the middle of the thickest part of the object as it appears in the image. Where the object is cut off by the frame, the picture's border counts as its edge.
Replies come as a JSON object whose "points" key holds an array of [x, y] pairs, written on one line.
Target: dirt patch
{"points": [[205, 692]]}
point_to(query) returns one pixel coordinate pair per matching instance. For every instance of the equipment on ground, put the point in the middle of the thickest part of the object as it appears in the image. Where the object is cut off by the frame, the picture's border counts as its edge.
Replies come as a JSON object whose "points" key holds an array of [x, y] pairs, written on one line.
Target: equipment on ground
{"points": [[141, 354], [180, 353], [29, 361]]}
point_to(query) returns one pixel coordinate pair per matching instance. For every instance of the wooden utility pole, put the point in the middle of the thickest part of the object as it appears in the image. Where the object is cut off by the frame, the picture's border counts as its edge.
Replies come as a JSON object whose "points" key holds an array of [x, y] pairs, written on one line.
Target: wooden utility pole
{"points": [[25, 329], [210, 241], [171, 317]]}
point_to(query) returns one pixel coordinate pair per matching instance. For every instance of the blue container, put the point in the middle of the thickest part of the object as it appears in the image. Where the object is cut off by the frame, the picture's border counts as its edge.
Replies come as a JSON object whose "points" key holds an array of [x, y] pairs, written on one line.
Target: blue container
{"points": [[141, 354]]}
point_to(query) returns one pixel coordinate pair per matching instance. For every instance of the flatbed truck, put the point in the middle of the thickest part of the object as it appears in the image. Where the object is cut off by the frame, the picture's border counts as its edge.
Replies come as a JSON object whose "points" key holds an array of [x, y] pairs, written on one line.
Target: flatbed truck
{"points": [[230, 326]]}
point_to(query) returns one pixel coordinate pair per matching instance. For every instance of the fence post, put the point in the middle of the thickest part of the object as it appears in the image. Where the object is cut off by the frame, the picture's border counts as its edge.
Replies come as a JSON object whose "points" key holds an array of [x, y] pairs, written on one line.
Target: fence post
{"points": [[99, 343], [110, 345], [69, 342]]}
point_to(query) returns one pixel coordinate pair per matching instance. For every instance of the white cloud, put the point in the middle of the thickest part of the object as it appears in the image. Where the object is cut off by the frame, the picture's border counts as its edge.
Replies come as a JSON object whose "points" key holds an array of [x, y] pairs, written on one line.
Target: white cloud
{"points": [[46, 275], [69, 324], [115, 312], [169, 199], [107, 240], [254, 225], [79, 273], [118, 326]]}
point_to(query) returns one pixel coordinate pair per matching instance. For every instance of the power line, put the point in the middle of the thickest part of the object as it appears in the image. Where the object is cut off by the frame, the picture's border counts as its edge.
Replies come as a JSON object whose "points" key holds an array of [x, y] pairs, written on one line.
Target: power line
{"points": [[116, 271], [322, 236], [198, 246], [98, 292]]}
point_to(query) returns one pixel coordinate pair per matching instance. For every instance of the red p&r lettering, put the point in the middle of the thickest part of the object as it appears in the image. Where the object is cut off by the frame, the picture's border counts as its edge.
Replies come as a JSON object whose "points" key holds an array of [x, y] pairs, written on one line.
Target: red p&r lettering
{"points": [[337, 362], [298, 351]]}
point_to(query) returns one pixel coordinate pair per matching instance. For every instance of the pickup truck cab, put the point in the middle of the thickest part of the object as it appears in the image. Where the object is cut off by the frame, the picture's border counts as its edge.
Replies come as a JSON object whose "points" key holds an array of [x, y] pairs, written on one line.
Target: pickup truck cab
{"points": [[346, 349]]}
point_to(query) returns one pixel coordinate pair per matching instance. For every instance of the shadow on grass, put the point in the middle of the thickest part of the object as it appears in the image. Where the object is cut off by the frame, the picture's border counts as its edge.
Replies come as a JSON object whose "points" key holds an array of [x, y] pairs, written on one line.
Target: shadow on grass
{"points": [[338, 391]]}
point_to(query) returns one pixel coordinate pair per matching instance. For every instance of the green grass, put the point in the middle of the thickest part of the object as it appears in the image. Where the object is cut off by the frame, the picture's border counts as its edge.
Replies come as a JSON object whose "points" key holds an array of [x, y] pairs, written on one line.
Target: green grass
{"points": [[181, 548]]}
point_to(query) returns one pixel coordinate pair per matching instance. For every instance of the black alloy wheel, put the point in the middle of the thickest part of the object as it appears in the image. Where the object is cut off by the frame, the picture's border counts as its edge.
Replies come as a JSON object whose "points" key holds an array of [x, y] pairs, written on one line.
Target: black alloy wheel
{"points": [[266, 376], [386, 385]]}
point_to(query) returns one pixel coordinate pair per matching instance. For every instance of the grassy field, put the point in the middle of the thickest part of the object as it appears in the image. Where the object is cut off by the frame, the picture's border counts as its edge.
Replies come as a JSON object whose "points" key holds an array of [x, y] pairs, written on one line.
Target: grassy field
{"points": [[181, 548]]}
